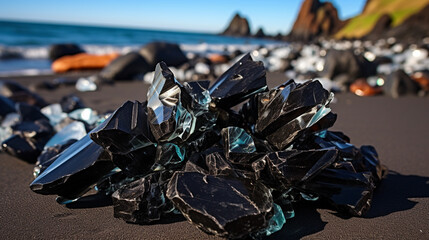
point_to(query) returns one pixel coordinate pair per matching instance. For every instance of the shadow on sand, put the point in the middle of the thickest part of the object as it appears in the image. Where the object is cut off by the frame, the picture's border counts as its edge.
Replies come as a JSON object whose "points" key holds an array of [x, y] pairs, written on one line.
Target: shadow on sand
{"points": [[394, 194]]}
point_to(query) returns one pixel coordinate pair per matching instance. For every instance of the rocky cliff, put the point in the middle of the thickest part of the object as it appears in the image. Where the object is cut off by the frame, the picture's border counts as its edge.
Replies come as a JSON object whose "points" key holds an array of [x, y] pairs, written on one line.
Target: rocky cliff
{"points": [[239, 26], [315, 19]]}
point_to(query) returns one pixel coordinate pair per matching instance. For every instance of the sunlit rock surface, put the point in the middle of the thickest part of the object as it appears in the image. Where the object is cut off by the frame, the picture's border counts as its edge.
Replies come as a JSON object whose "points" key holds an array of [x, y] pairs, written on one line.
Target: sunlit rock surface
{"points": [[232, 173]]}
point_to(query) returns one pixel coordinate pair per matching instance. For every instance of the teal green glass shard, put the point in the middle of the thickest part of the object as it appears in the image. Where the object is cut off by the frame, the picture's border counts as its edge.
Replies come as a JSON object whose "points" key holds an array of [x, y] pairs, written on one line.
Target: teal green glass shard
{"points": [[274, 224], [237, 140], [168, 155], [75, 130], [84, 114], [54, 112], [199, 93]]}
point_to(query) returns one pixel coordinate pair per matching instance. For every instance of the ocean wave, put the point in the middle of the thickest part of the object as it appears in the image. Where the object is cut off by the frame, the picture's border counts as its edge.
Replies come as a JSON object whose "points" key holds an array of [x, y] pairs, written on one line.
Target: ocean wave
{"points": [[42, 52]]}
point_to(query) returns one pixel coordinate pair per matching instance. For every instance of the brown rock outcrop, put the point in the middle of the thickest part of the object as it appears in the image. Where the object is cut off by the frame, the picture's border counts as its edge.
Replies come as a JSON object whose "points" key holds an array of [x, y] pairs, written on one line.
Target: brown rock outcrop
{"points": [[239, 26], [315, 19]]}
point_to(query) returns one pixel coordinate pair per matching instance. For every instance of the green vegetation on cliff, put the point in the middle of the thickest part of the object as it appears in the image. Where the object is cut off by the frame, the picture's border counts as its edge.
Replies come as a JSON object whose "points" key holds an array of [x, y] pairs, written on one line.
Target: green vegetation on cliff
{"points": [[399, 10]]}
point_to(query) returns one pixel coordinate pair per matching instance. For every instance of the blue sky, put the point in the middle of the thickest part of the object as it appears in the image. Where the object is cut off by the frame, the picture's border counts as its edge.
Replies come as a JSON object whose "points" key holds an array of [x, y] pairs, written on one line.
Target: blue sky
{"points": [[199, 16]]}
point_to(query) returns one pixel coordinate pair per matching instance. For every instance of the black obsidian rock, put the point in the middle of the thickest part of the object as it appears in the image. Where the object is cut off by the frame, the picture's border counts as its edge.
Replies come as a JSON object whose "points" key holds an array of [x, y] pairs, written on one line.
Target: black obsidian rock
{"points": [[28, 139], [127, 137], [244, 79], [288, 110], [49, 155], [21, 147], [29, 113], [288, 168], [76, 169], [164, 106], [225, 207], [347, 191], [143, 200], [231, 174], [6, 106], [125, 130], [70, 103], [19, 93]]}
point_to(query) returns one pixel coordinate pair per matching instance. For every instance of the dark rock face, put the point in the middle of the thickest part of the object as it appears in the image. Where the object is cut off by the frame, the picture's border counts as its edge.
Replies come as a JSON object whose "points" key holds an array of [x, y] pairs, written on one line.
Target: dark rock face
{"points": [[414, 27], [238, 26], [169, 53], [125, 67], [260, 33], [383, 24], [59, 50], [315, 19]]}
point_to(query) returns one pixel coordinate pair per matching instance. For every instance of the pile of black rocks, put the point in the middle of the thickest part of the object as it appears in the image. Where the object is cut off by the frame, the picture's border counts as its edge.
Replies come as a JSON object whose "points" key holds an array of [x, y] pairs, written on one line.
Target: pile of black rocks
{"points": [[232, 169]]}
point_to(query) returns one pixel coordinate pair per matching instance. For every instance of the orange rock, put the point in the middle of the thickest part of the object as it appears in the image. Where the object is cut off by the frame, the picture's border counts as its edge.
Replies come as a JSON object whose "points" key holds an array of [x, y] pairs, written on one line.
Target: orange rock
{"points": [[422, 78], [82, 61], [217, 58], [361, 88]]}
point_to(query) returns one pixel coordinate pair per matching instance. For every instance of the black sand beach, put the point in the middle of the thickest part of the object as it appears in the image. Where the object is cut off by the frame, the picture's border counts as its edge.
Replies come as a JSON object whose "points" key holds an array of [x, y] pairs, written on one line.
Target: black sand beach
{"points": [[400, 210]]}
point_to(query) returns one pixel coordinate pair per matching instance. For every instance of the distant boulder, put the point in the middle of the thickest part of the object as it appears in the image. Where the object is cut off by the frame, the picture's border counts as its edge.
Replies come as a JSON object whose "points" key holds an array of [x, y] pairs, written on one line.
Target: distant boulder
{"points": [[315, 19], [239, 26], [260, 33], [125, 67], [169, 53], [344, 67], [399, 83], [59, 50]]}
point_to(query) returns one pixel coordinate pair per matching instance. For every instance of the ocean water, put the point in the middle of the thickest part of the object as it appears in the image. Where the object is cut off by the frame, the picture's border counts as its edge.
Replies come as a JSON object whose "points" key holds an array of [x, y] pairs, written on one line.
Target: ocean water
{"points": [[28, 43]]}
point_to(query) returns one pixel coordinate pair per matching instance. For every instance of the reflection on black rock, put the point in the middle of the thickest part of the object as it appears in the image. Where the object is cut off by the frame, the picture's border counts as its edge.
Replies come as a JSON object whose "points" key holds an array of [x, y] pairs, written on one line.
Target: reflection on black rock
{"points": [[234, 174]]}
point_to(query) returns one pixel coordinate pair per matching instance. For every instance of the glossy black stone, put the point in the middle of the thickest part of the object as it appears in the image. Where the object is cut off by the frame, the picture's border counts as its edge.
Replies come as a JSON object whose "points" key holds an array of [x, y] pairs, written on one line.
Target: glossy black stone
{"points": [[6, 106], [28, 140], [70, 103], [349, 192], [225, 207], [74, 171], [167, 117], [285, 112], [126, 130], [289, 168], [244, 79], [39, 130], [19, 93], [143, 200], [234, 174], [21, 147], [29, 113], [49, 155]]}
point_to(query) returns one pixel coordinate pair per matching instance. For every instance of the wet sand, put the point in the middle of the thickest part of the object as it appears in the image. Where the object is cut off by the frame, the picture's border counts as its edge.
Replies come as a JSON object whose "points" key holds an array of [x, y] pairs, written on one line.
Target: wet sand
{"points": [[398, 128]]}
